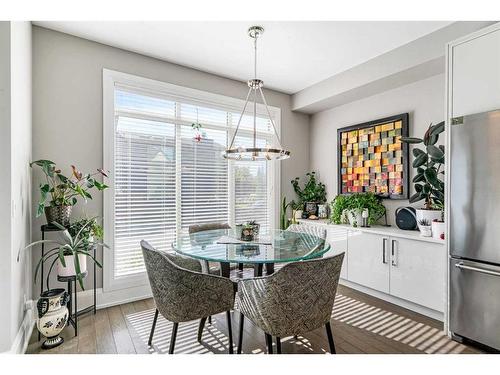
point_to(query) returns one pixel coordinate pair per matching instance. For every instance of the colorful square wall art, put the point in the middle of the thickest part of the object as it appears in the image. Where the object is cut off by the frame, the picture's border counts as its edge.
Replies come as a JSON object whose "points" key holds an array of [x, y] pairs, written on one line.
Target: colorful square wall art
{"points": [[371, 158]]}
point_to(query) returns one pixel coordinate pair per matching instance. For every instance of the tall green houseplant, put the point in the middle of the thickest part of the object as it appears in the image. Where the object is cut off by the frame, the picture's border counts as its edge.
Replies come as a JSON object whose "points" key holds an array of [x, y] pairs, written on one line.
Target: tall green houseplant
{"points": [[428, 162]]}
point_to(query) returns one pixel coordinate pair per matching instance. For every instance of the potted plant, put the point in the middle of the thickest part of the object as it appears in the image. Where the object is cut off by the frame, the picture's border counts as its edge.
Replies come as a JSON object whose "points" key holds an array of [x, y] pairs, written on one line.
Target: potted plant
{"points": [[312, 194], [425, 227], [63, 191], [90, 231], [71, 248], [428, 164], [349, 208]]}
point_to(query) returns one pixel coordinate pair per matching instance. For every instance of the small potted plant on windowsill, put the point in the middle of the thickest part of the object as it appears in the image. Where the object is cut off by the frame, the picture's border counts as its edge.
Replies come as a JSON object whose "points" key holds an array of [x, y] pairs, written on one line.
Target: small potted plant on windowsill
{"points": [[62, 191], [427, 181]]}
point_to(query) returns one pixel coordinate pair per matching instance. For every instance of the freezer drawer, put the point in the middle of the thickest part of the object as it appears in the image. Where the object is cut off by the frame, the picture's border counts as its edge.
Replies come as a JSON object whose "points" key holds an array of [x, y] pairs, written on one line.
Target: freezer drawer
{"points": [[475, 302]]}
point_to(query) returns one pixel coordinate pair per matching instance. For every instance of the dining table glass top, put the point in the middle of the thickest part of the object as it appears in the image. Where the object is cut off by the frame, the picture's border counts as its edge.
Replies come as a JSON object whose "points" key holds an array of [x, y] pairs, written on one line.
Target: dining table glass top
{"points": [[274, 246]]}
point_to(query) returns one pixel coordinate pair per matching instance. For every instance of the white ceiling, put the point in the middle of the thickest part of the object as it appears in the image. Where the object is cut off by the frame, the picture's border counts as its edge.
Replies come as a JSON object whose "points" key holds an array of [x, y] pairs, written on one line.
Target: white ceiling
{"points": [[292, 55]]}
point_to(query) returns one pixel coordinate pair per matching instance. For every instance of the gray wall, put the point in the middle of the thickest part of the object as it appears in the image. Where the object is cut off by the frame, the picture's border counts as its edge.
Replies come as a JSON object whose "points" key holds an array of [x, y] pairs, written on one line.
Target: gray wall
{"points": [[67, 105], [5, 188], [15, 190], [423, 100]]}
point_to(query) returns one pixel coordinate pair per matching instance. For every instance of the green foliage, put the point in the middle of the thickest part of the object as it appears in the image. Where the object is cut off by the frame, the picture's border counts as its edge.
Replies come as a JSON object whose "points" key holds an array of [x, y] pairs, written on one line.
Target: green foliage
{"points": [[313, 190], [71, 244], [64, 190], [90, 230], [283, 217], [428, 163], [357, 201]]}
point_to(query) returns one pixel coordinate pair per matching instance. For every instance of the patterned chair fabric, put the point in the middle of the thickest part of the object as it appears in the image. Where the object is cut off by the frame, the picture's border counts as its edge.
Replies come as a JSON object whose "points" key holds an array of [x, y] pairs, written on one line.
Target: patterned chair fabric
{"points": [[210, 226], [308, 229], [208, 267], [313, 230], [296, 299], [182, 294]]}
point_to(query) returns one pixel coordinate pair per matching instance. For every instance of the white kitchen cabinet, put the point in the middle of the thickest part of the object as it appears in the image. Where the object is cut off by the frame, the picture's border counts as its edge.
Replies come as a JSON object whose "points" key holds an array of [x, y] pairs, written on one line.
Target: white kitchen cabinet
{"points": [[417, 272], [474, 67], [368, 260], [337, 238]]}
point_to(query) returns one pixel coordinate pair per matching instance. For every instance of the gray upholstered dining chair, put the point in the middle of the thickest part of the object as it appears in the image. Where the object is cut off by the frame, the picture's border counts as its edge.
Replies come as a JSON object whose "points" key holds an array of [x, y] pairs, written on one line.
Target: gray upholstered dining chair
{"points": [[207, 268], [182, 293], [294, 300], [308, 229]]}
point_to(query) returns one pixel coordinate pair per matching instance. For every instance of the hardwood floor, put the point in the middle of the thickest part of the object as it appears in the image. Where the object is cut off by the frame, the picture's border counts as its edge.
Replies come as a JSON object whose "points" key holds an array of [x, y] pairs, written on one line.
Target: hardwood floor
{"points": [[360, 324]]}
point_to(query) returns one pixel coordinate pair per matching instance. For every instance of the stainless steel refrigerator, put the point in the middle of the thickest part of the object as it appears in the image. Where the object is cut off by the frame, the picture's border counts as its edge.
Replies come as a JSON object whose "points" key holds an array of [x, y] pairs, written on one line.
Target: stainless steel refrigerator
{"points": [[475, 228]]}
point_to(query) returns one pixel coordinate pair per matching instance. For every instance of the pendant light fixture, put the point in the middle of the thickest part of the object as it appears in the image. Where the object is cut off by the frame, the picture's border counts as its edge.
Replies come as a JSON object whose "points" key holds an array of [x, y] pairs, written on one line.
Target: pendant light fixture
{"points": [[235, 152]]}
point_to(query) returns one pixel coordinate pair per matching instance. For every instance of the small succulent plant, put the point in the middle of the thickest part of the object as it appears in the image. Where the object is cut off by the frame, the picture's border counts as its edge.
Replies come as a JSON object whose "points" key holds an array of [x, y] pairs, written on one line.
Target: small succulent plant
{"points": [[424, 222]]}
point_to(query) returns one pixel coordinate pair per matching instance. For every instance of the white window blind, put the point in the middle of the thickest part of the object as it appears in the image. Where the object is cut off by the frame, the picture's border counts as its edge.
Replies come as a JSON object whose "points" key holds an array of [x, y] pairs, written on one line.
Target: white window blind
{"points": [[164, 180]]}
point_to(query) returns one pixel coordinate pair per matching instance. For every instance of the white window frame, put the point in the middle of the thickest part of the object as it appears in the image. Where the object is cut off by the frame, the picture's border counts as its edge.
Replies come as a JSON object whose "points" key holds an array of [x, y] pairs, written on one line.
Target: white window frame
{"points": [[138, 283]]}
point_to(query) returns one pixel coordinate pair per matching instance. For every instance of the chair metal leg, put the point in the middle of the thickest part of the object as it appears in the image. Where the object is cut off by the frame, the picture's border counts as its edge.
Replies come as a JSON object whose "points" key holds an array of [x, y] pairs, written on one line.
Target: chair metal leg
{"points": [[200, 328], [153, 328], [330, 338], [278, 345], [240, 333], [269, 341], [230, 331], [172, 338]]}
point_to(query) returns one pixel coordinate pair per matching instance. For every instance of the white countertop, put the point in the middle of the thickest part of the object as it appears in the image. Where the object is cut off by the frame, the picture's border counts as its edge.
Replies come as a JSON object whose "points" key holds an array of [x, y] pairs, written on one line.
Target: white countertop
{"points": [[376, 229]]}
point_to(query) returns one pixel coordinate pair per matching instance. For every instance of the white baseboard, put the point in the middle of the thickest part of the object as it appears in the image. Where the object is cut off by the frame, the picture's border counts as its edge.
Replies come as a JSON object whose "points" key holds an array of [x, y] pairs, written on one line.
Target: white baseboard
{"points": [[395, 300], [23, 335], [112, 298]]}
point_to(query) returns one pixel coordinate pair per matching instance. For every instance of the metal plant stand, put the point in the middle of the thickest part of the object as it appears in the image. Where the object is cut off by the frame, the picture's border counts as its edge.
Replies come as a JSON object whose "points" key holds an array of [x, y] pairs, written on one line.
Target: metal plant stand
{"points": [[71, 284]]}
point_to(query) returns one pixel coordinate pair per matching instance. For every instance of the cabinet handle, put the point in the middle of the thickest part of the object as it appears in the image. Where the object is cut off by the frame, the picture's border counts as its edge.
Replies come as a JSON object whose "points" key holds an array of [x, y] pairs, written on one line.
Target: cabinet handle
{"points": [[383, 250], [393, 253]]}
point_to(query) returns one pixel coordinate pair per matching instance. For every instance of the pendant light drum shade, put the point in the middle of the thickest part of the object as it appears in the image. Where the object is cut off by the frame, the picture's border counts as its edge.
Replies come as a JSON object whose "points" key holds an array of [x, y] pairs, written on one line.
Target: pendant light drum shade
{"points": [[254, 153]]}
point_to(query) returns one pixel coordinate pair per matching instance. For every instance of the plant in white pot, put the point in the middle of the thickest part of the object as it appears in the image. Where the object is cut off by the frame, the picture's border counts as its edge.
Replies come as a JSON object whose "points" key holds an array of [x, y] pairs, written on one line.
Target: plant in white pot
{"points": [[71, 251], [348, 209], [428, 184]]}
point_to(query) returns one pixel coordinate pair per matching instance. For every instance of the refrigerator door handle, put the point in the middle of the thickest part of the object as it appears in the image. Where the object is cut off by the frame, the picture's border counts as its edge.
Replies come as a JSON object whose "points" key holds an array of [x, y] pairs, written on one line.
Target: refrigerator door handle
{"points": [[462, 266]]}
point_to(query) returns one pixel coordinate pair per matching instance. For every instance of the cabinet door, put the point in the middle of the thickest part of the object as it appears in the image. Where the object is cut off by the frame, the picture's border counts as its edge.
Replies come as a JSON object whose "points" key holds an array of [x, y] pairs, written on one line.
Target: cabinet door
{"points": [[476, 74], [418, 272], [368, 260], [337, 238]]}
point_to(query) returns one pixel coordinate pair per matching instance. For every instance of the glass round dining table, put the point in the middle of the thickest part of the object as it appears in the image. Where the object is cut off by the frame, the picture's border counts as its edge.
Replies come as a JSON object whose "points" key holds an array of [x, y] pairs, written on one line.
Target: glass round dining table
{"points": [[275, 246]]}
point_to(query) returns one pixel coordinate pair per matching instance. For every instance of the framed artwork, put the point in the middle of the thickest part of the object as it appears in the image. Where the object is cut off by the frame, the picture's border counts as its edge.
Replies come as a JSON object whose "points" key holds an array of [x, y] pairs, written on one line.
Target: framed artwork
{"points": [[371, 158]]}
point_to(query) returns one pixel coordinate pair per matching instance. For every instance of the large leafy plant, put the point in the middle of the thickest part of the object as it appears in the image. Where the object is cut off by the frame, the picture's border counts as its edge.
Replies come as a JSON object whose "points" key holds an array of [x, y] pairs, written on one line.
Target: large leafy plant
{"points": [[428, 163], [354, 202], [63, 190], [71, 244], [313, 191]]}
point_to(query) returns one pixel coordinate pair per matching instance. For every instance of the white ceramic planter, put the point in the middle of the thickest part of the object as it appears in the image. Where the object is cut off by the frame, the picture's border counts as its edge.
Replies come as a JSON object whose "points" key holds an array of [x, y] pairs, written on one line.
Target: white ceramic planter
{"points": [[69, 270], [426, 231], [355, 217], [438, 229], [298, 214], [429, 215]]}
